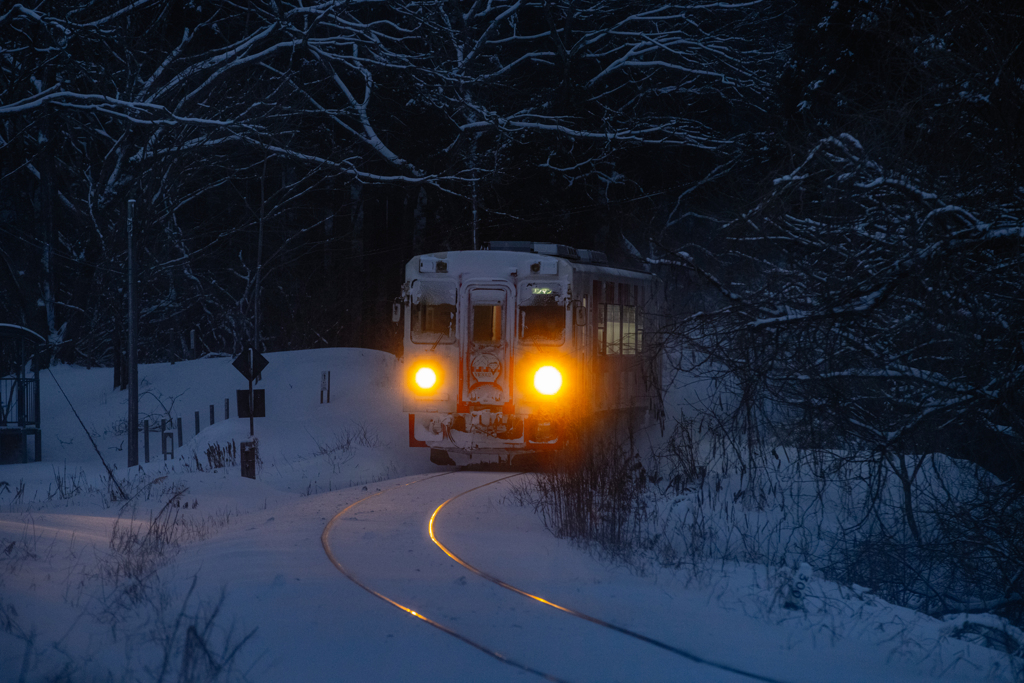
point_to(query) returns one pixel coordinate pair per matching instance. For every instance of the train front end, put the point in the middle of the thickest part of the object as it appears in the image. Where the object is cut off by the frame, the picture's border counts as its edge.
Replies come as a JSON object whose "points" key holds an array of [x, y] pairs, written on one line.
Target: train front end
{"points": [[490, 367]]}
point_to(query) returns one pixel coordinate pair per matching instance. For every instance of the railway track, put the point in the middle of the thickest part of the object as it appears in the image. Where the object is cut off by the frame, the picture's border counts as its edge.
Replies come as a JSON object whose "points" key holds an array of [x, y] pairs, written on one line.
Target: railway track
{"points": [[325, 539], [550, 669]]}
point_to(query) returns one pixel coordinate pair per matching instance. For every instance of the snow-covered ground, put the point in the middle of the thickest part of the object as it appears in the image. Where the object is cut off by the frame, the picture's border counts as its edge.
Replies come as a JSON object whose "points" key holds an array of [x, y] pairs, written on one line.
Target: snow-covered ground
{"points": [[205, 575]]}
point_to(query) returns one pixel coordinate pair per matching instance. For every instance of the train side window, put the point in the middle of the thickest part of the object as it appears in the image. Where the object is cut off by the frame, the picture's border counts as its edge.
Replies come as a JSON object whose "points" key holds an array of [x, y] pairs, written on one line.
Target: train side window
{"points": [[609, 319], [629, 339], [432, 313], [613, 329], [487, 323], [541, 314], [642, 304], [639, 330], [619, 318]]}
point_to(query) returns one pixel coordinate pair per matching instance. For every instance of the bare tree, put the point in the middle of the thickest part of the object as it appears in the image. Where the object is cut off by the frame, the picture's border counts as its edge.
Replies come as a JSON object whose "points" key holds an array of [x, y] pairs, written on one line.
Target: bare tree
{"points": [[304, 123], [257, 106]]}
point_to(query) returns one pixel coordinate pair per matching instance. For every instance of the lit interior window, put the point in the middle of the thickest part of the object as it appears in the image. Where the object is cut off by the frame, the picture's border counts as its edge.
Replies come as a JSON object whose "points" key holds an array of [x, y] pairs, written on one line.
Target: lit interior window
{"points": [[487, 324]]}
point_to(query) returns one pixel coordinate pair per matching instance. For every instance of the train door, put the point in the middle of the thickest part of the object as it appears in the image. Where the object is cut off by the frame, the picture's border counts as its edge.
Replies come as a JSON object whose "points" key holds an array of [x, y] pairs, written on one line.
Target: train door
{"points": [[487, 371], [581, 339]]}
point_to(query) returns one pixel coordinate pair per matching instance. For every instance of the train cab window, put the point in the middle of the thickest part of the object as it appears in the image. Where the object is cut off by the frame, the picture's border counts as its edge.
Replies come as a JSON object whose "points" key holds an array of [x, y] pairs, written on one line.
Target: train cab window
{"points": [[487, 324], [541, 314], [432, 314]]}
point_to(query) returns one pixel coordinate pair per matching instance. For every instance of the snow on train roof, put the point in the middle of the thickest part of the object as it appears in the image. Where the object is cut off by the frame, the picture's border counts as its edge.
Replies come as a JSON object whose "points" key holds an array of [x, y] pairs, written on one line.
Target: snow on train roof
{"points": [[520, 253], [551, 249]]}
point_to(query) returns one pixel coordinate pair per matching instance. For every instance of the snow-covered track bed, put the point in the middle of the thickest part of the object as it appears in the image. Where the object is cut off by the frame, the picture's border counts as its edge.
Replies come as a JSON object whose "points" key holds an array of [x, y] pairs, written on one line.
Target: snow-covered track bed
{"points": [[370, 542]]}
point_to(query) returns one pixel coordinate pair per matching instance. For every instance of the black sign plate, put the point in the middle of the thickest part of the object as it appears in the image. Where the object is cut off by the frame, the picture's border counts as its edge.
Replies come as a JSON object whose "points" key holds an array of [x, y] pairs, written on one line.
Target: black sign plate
{"points": [[258, 363], [259, 402]]}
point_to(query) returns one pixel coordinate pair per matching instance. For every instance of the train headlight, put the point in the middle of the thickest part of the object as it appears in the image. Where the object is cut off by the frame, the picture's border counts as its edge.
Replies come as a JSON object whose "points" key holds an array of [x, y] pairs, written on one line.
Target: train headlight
{"points": [[547, 380], [425, 378]]}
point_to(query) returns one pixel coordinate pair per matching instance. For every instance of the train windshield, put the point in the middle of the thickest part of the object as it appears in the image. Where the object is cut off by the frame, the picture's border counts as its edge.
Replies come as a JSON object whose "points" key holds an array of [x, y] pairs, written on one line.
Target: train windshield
{"points": [[541, 313], [432, 315]]}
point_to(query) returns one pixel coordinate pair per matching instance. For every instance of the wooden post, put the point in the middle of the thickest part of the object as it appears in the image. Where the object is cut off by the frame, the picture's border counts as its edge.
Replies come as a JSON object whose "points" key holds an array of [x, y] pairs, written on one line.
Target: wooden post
{"points": [[247, 453], [145, 438], [179, 433], [227, 409], [197, 422], [211, 414]]}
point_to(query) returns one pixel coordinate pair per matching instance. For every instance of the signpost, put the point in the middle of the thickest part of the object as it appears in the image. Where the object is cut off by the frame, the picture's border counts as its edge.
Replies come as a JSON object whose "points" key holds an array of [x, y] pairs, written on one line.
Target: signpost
{"points": [[325, 385], [250, 363], [248, 453]]}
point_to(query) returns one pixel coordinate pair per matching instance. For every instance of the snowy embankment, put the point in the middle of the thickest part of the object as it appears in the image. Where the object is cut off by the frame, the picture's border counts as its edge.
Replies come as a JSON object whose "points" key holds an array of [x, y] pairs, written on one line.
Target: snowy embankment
{"points": [[204, 575]]}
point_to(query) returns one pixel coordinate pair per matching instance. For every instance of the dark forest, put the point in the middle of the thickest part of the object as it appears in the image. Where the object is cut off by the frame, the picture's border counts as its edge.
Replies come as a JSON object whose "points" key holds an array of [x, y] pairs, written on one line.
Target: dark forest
{"points": [[321, 145]]}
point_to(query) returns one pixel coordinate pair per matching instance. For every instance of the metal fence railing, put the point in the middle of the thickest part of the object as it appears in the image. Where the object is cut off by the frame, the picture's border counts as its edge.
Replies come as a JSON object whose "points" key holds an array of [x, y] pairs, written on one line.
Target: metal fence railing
{"points": [[19, 399]]}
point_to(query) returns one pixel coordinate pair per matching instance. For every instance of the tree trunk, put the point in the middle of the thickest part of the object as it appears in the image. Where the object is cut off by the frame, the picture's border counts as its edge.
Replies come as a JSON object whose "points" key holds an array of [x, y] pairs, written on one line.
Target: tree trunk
{"points": [[117, 351], [908, 501], [47, 197]]}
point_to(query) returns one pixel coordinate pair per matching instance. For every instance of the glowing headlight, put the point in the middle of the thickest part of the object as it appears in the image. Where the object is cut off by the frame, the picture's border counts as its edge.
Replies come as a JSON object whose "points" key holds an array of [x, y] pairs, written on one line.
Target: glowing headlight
{"points": [[426, 378], [547, 380]]}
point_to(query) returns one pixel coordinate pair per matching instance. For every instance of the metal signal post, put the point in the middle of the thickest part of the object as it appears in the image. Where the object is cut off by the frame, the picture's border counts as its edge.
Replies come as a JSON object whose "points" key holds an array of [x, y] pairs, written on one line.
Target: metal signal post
{"points": [[251, 431]]}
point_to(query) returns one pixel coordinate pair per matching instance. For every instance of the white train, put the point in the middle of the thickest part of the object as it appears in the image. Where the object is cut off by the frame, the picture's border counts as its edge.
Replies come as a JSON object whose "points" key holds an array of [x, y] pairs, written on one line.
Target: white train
{"points": [[510, 349]]}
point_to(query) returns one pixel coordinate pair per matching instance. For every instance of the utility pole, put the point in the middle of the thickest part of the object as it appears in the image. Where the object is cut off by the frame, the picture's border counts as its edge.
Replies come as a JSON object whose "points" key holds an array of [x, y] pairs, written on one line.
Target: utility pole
{"points": [[259, 273], [133, 345], [476, 219]]}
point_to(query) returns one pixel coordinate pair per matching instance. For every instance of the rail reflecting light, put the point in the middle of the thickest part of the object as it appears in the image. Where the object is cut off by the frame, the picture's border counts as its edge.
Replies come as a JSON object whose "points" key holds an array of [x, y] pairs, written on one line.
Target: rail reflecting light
{"points": [[426, 378], [547, 380]]}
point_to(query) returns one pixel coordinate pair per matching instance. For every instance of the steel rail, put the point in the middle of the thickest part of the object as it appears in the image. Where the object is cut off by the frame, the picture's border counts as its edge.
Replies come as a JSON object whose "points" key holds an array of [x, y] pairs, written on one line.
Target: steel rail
{"points": [[408, 610], [568, 610]]}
